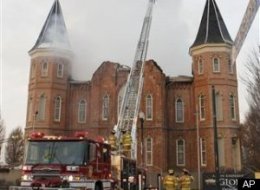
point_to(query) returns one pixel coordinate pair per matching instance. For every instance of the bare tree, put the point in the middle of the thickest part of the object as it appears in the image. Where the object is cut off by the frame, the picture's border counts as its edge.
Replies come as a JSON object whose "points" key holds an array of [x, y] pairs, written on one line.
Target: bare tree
{"points": [[15, 147], [250, 130], [2, 134]]}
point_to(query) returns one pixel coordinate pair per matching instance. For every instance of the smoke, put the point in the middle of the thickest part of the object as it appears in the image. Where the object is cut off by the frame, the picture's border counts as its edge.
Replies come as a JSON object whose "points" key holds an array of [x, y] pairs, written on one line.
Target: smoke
{"points": [[109, 31], [54, 32]]}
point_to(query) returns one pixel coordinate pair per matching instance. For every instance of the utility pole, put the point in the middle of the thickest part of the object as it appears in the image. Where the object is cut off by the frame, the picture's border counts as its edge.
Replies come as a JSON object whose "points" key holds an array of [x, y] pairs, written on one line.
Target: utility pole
{"points": [[215, 137], [198, 143]]}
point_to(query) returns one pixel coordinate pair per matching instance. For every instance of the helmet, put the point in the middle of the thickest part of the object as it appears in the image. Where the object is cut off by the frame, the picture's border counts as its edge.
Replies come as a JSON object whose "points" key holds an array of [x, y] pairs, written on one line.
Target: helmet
{"points": [[113, 131], [170, 171], [186, 171], [124, 130]]}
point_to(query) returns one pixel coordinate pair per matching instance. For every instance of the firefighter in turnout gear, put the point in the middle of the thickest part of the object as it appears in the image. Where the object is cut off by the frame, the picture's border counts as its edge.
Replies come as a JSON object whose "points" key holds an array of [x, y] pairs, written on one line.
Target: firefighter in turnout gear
{"points": [[170, 181], [112, 140], [126, 140], [185, 180]]}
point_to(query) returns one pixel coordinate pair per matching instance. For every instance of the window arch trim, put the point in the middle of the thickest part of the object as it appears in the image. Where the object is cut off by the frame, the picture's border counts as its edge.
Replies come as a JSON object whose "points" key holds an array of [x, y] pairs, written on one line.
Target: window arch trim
{"points": [[57, 108], [105, 107], [60, 70], [149, 151], [82, 110], [179, 110], [149, 107], [202, 111], [216, 65], [44, 68], [41, 107], [180, 152], [232, 106], [200, 67]]}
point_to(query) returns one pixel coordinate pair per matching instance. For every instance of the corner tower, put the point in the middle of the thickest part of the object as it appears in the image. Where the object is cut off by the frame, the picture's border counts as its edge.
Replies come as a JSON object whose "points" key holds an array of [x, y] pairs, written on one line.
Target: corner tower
{"points": [[211, 66], [49, 73]]}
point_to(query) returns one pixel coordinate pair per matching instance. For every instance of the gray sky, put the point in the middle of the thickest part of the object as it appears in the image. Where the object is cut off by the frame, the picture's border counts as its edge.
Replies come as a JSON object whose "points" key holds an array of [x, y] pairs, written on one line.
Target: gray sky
{"points": [[101, 30]]}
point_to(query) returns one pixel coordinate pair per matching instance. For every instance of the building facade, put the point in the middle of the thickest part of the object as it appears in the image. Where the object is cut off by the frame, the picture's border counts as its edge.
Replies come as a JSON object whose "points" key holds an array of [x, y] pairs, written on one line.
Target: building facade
{"points": [[178, 125]]}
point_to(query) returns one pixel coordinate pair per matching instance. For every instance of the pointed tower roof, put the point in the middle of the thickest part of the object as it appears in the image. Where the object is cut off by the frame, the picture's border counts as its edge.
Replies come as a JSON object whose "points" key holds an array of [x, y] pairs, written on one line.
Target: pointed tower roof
{"points": [[212, 27], [54, 33]]}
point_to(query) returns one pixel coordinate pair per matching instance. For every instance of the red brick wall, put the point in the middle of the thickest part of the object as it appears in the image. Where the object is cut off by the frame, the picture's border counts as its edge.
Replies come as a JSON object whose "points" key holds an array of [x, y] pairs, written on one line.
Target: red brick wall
{"points": [[163, 129]]}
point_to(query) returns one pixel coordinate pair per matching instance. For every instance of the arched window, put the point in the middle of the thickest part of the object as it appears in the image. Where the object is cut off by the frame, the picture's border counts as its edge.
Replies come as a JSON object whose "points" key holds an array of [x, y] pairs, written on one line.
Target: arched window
{"points": [[179, 110], [203, 152], [33, 70], [200, 67], [57, 108], [180, 149], [202, 107], [149, 107], [60, 70], [105, 107], [82, 111], [219, 109], [149, 151], [30, 108], [216, 65], [42, 105], [232, 107], [44, 69]]}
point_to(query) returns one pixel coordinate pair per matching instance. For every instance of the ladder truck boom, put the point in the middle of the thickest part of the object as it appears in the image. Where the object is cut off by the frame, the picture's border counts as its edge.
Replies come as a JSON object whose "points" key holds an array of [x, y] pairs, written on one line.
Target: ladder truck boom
{"points": [[246, 23], [130, 104]]}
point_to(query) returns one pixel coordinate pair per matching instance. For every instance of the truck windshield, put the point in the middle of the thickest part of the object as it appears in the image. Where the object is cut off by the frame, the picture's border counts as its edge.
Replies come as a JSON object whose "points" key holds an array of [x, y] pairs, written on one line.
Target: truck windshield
{"points": [[56, 152]]}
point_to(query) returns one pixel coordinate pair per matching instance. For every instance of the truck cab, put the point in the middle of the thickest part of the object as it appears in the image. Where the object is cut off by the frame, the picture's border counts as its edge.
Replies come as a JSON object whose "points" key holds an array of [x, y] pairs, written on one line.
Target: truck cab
{"points": [[71, 162]]}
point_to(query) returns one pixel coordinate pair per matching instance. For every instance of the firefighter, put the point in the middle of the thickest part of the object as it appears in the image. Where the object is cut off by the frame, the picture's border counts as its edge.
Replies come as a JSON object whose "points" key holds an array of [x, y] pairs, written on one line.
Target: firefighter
{"points": [[126, 141], [112, 140], [170, 181], [185, 180]]}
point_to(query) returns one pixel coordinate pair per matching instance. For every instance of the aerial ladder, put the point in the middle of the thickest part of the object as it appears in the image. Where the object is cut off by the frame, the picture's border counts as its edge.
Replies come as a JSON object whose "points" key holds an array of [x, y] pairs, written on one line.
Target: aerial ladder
{"points": [[129, 109], [245, 25]]}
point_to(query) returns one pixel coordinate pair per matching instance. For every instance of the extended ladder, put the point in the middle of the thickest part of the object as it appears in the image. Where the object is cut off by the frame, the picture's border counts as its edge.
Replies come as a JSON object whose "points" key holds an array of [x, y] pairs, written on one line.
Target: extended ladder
{"points": [[245, 25], [130, 104]]}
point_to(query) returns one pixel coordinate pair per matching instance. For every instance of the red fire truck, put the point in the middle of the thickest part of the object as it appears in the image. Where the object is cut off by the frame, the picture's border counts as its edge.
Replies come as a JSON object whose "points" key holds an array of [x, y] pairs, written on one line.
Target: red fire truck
{"points": [[78, 162]]}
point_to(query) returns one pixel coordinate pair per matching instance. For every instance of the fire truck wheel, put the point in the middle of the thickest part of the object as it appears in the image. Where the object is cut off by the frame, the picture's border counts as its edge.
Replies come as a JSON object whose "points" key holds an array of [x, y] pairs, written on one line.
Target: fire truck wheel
{"points": [[98, 185]]}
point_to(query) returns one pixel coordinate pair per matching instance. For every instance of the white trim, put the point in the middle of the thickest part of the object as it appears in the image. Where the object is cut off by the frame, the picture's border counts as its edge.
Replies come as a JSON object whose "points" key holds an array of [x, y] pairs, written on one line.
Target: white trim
{"points": [[207, 29], [30, 109], [146, 151], [201, 152], [219, 107], [33, 70], [60, 71], [44, 71], [176, 110], [58, 118], [147, 107], [200, 67], [234, 105], [202, 118], [41, 108], [177, 152], [218, 65], [81, 103], [103, 107]]}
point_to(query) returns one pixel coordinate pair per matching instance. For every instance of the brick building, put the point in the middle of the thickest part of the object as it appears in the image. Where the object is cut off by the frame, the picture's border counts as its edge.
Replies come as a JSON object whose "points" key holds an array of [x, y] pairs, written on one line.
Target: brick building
{"points": [[174, 106]]}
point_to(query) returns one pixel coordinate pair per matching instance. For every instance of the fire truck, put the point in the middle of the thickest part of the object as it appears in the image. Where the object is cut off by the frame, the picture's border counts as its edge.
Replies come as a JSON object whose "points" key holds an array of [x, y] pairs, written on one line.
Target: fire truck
{"points": [[80, 161]]}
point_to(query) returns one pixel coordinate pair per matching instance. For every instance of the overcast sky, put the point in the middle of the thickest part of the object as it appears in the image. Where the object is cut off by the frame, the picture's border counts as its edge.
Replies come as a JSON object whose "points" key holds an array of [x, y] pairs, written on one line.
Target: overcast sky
{"points": [[101, 30]]}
